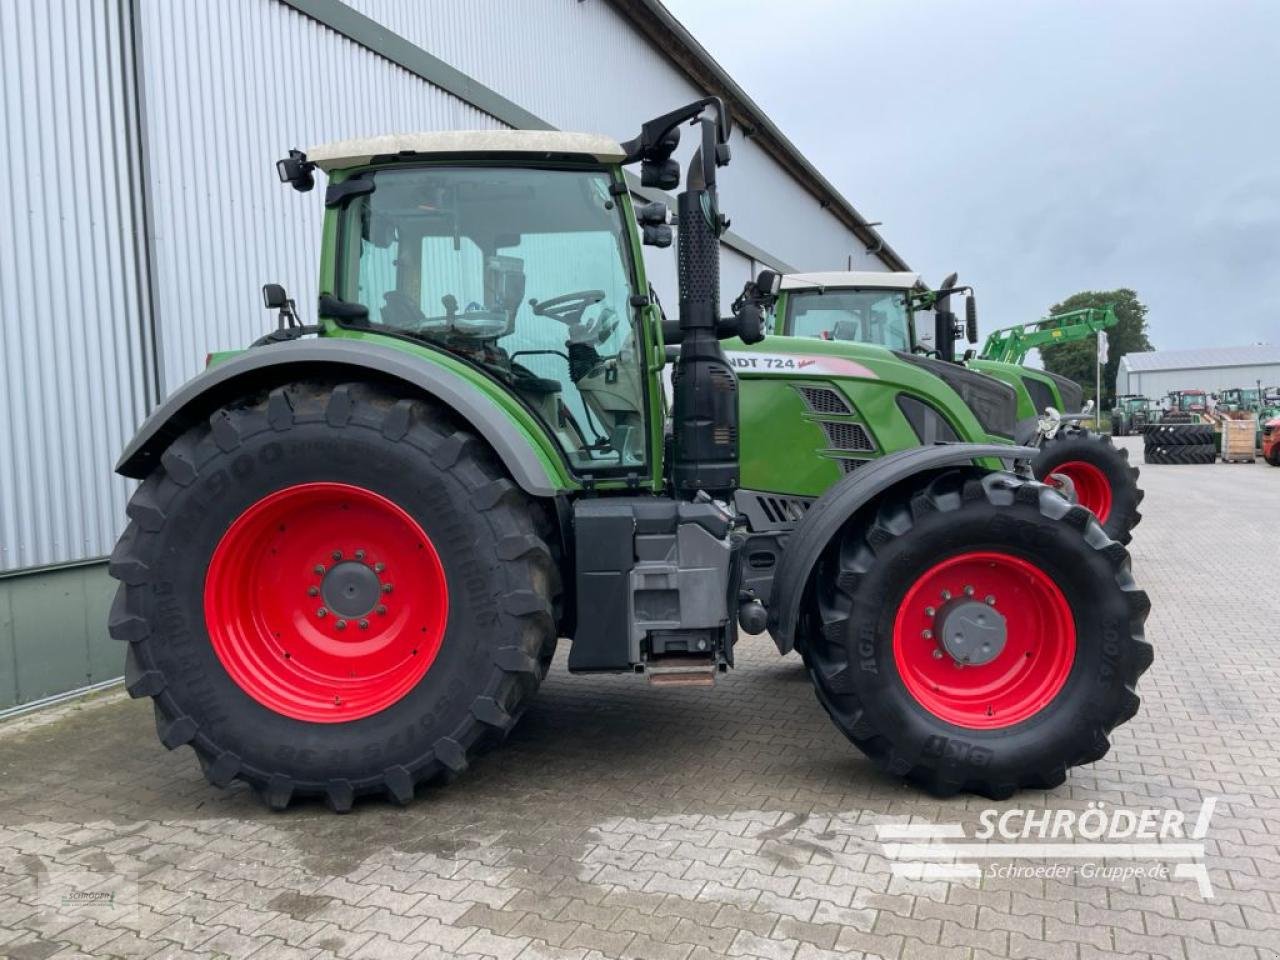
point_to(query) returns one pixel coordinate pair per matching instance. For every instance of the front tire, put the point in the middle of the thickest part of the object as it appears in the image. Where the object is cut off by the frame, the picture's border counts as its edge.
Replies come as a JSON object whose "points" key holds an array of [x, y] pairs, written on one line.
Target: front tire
{"points": [[1105, 483], [1062, 679], [332, 591]]}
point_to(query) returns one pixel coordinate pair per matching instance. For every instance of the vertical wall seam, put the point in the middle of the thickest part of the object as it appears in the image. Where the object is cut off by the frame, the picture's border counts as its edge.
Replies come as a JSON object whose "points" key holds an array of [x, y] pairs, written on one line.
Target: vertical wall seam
{"points": [[139, 168]]}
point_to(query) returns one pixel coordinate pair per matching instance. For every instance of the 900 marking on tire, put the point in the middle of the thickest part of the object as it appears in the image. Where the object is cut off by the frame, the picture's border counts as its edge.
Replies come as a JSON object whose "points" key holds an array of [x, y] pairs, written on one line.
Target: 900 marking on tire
{"points": [[436, 586], [977, 632]]}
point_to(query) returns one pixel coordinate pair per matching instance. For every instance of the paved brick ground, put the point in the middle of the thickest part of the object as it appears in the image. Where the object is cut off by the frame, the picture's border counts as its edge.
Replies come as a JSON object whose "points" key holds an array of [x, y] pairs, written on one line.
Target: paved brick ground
{"points": [[624, 822]]}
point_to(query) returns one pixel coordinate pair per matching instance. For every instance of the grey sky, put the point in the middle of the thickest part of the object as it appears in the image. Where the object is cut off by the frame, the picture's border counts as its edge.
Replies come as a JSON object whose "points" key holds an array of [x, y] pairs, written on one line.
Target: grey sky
{"points": [[1041, 147]]}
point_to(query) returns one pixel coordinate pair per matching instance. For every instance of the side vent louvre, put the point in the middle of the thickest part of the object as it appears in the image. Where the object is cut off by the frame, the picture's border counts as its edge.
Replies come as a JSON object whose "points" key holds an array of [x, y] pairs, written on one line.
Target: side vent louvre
{"points": [[848, 436], [783, 509], [848, 465], [825, 400]]}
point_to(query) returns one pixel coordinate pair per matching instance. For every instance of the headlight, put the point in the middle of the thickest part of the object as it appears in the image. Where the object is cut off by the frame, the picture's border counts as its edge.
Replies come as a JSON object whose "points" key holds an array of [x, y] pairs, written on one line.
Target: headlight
{"points": [[993, 403]]}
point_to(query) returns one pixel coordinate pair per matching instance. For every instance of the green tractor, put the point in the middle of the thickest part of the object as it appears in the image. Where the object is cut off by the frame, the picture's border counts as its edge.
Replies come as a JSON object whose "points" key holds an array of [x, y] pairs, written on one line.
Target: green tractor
{"points": [[879, 310], [355, 544], [1131, 414]]}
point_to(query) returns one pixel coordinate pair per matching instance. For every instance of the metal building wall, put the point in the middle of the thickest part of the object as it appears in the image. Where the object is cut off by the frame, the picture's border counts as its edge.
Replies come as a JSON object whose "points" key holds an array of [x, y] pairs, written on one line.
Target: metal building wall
{"points": [[73, 380], [1157, 383], [581, 66], [229, 87]]}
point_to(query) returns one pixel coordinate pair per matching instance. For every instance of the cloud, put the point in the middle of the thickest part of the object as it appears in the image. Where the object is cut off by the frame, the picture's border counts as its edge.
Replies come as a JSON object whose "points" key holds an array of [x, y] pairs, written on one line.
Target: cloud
{"points": [[1041, 148]]}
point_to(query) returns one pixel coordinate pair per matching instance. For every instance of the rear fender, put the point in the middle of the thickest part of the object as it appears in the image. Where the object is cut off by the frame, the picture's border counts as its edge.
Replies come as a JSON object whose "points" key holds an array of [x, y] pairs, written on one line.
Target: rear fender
{"points": [[842, 502], [264, 367]]}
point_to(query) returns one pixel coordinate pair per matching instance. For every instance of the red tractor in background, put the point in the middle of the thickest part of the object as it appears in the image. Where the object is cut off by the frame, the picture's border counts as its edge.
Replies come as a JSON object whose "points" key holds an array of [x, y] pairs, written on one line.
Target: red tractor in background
{"points": [[1271, 441]]}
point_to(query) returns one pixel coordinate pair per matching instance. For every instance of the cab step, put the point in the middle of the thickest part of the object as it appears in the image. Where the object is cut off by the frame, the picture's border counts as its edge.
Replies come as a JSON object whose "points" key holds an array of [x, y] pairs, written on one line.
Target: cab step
{"points": [[682, 671]]}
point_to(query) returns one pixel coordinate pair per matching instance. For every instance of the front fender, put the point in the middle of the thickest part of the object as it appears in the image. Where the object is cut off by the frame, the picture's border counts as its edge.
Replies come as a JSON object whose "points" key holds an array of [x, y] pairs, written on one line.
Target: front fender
{"points": [[266, 366], [834, 508]]}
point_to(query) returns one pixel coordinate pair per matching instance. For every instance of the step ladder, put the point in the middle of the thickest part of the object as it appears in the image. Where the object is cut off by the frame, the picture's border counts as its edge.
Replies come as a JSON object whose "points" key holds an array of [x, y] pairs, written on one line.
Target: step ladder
{"points": [[682, 671]]}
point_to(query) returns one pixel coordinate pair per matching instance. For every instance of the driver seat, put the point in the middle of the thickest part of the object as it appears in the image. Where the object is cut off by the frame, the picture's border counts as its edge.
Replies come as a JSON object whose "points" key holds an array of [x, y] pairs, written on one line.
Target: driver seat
{"points": [[399, 311]]}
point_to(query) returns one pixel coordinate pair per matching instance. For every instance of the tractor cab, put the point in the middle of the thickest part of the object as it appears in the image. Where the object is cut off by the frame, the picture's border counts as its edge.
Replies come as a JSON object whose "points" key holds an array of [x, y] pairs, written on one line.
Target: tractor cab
{"points": [[874, 308], [524, 268]]}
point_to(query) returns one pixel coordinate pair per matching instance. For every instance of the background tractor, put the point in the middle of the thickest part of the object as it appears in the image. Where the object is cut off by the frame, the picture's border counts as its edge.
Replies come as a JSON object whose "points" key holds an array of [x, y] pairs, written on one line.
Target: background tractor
{"points": [[356, 543], [1131, 414], [1271, 441], [871, 317]]}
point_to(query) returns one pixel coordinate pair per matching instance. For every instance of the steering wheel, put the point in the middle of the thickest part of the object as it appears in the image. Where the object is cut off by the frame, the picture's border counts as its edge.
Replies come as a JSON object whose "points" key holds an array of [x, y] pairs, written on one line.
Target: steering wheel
{"points": [[568, 308]]}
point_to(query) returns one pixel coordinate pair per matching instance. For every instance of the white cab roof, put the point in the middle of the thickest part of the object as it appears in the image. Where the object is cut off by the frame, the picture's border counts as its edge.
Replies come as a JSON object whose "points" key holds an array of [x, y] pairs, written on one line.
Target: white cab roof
{"points": [[841, 279], [354, 153]]}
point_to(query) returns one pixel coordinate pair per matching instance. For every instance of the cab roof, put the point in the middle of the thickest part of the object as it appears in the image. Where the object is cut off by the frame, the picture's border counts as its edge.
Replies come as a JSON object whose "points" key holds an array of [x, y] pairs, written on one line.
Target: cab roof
{"points": [[843, 279], [358, 152]]}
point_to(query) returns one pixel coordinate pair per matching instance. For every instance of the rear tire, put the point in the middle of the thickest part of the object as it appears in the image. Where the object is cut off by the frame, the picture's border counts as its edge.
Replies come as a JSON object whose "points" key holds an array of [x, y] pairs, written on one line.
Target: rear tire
{"points": [[395, 724], [865, 679], [1105, 482]]}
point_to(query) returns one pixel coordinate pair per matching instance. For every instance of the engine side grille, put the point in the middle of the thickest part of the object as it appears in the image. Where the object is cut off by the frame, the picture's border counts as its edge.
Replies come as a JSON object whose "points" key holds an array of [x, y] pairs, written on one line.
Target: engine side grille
{"points": [[824, 400], [847, 436], [848, 464]]}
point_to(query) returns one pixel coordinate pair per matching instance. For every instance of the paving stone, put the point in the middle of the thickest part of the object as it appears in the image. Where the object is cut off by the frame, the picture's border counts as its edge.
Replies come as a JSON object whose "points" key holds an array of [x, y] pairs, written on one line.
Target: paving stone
{"points": [[621, 821]]}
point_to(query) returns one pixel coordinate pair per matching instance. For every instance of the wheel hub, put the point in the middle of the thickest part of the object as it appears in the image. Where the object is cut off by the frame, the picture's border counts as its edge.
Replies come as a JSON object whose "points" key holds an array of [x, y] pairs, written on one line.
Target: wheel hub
{"points": [[351, 589], [984, 639], [971, 631], [298, 605]]}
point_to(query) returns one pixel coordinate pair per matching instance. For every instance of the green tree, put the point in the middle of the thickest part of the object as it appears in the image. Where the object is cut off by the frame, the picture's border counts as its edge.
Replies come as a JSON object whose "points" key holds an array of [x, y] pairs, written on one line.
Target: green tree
{"points": [[1077, 360]]}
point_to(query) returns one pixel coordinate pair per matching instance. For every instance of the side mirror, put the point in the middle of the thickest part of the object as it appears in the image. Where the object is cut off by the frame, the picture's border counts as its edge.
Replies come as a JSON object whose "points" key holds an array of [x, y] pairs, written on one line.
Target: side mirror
{"points": [[274, 296], [750, 323], [654, 213], [660, 174], [297, 170], [769, 282], [971, 319]]}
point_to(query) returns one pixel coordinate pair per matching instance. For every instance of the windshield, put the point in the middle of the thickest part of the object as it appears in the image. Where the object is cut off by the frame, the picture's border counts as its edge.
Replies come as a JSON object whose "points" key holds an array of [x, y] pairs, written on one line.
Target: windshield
{"points": [[525, 273], [863, 316]]}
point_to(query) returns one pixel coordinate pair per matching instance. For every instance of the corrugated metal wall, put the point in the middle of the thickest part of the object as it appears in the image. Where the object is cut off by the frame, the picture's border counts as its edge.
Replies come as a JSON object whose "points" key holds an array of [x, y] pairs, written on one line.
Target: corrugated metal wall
{"points": [[73, 383], [225, 89], [581, 66], [230, 87], [1157, 383]]}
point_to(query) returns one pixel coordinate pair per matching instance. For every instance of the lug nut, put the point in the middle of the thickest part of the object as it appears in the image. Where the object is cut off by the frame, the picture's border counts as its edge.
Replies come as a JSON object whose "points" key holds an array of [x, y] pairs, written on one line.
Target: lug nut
{"points": [[337, 554], [322, 612], [341, 624], [313, 591], [968, 591], [929, 611], [927, 634], [991, 601], [937, 654], [318, 569], [359, 554], [381, 610], [386, 588], [379, 567], [364, 624], [946, 594]]}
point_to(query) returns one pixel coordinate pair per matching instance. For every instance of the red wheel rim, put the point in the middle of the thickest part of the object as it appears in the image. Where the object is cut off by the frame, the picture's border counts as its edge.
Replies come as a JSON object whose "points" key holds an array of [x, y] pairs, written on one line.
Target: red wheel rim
{"points": [[1093, 489], [1030, 670], [326, 602]]}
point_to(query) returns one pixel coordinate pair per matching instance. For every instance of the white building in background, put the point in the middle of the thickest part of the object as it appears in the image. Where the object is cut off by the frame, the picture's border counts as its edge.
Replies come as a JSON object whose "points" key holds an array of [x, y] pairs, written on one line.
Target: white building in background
{"points": [[140, 138], [1155, 373]]}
